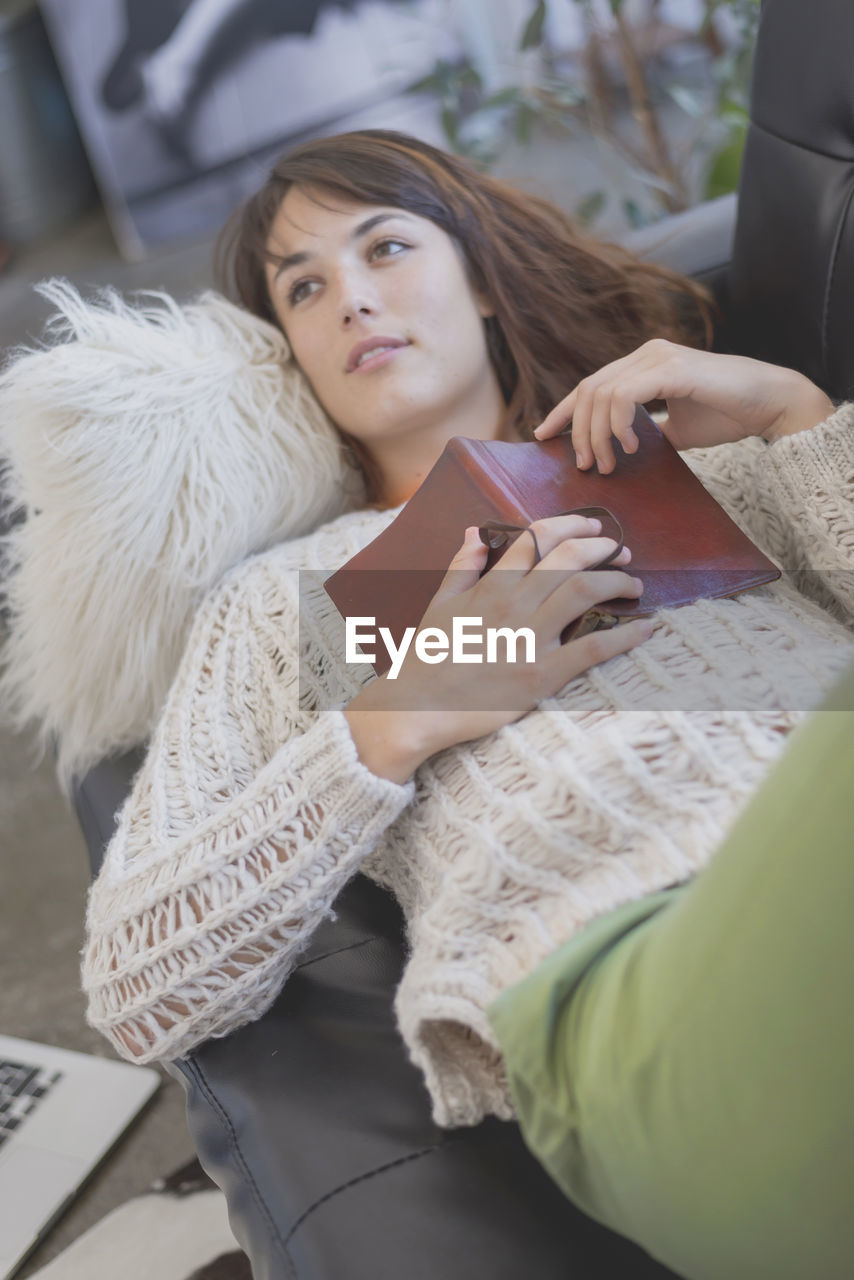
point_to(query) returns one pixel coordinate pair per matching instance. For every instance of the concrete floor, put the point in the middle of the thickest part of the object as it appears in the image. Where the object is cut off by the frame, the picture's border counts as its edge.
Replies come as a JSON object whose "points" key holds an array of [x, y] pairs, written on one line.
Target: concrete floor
{"points": [[43, 864], [45, 875]]}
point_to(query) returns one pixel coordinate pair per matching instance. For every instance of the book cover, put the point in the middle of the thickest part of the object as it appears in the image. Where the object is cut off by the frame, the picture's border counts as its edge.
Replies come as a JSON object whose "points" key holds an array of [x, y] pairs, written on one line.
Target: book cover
{"points": [[684, 545]]}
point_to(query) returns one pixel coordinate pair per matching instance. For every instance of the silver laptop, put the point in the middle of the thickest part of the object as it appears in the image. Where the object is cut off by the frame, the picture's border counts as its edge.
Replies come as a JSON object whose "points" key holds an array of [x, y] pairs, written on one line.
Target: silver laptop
{"points": [[60, 1112]]}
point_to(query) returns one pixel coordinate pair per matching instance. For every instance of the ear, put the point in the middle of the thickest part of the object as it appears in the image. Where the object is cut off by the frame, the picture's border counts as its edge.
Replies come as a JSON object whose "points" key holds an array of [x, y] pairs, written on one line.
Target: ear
{"points": [[484, 306]]}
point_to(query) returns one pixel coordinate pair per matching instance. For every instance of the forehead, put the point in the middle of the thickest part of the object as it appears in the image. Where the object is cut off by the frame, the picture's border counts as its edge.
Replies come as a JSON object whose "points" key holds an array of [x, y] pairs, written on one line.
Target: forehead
{"points": [[304, 218]]}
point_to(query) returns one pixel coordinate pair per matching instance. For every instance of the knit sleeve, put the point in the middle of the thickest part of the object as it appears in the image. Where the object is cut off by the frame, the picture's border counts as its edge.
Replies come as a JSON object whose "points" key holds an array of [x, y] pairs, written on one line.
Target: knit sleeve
{"points": [[795, 499], [807, 481], [250, 813]]}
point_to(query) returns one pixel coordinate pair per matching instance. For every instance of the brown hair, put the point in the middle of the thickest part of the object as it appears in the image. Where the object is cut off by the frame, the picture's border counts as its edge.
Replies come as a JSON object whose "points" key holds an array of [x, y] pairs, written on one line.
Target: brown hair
{"points": [[565, 303]]}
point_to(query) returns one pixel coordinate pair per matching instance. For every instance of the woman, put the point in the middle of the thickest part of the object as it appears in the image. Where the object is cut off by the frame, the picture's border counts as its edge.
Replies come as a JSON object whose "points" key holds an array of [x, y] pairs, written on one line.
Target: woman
{"points": [[424, 301]]}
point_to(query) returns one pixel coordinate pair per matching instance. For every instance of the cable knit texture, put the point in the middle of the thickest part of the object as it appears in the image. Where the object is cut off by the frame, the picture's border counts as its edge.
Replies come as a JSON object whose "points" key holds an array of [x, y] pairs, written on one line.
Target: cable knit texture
{"points": [[252, 808]]}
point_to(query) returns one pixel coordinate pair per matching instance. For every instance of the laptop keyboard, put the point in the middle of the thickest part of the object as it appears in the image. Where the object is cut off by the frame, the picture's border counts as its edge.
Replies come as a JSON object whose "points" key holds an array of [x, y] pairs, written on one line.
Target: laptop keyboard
{"points": [[22, 1087]]}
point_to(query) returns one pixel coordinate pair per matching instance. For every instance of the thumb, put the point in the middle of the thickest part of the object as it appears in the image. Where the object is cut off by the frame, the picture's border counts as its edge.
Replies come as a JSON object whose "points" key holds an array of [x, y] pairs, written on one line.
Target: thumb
{"points": [[466, 566]]}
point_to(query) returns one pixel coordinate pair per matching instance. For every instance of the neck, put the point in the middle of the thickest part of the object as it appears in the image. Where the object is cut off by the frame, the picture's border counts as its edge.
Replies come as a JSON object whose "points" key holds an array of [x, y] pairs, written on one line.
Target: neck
{"points": [[403, 461]]}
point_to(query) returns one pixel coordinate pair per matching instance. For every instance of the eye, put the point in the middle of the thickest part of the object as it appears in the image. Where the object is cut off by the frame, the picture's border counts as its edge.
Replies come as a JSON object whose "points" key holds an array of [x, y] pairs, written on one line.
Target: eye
{"points": [[298, 291], [376, 249], [387, 248]]}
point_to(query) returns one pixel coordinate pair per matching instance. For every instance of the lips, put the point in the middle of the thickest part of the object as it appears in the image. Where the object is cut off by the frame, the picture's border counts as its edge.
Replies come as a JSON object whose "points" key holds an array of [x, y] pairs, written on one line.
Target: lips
{"points": [[369, 345]]}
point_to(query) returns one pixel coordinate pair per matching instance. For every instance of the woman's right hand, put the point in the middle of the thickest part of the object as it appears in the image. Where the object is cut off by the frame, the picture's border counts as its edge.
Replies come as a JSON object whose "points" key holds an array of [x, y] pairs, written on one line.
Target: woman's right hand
{"points": [[711, 399], [397, 724]]}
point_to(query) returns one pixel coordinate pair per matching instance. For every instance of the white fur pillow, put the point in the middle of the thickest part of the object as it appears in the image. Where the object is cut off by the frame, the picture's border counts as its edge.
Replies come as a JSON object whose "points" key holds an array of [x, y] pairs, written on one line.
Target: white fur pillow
{"points": [[151, 449]]}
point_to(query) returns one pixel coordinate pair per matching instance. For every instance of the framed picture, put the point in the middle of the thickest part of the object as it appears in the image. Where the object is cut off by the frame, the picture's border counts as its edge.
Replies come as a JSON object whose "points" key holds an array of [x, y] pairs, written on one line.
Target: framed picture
{"points": [[183, 104]]}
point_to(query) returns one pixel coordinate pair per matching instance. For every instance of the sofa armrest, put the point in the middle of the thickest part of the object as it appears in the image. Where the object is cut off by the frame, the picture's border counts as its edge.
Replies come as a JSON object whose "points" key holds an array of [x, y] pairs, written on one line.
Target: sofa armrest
{"points": [[99, 795], [317, 1127], [697, 242]]}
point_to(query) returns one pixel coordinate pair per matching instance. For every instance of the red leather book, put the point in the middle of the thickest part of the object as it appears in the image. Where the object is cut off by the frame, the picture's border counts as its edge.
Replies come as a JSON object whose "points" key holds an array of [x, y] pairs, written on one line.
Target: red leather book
{"points": [[684, 546]]}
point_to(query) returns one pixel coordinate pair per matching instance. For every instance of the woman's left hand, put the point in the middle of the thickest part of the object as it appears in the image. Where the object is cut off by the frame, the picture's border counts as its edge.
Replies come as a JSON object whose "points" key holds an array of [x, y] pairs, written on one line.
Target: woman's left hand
{"points": [[711, 399]]}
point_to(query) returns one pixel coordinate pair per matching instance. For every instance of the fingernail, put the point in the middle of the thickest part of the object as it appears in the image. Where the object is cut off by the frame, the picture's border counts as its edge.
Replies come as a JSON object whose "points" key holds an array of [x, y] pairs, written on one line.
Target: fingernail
{"points": [[538, 429], [638, 583], [595, 524]]}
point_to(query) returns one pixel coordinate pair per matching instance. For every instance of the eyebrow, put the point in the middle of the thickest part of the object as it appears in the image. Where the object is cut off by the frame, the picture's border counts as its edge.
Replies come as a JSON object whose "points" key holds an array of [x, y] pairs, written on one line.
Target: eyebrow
{"points": [[296, 259]]}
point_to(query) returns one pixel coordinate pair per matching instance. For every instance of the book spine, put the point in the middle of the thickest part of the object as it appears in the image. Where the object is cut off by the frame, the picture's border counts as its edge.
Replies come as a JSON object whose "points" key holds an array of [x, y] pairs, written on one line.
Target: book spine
{"points": [[491, 480]]}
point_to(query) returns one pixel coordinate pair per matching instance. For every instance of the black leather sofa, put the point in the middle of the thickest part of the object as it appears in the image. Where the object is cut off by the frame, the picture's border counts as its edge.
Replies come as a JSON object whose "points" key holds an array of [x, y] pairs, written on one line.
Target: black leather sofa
{"points": [[312, 1120]]}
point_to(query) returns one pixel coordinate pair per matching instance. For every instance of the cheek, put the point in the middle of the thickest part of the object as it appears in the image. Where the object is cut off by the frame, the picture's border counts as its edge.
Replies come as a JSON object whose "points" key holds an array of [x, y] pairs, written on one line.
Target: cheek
{"points": [[306, 347], [298, 335], [320, 366], [448, 310]]}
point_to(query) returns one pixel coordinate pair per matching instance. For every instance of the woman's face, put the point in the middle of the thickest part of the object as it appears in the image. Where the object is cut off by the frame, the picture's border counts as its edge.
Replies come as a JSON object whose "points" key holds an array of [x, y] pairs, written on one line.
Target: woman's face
{"points": [[380, 315]]}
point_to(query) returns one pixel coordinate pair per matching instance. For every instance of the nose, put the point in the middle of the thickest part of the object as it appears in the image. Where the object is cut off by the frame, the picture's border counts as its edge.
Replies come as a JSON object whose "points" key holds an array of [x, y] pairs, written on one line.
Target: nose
{"points": [[356, 299], [350, 310]]}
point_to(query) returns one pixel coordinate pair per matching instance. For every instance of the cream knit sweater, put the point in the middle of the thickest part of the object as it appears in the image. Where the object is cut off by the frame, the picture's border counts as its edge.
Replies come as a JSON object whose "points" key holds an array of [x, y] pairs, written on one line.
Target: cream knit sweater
{"points": [[252, 809]]}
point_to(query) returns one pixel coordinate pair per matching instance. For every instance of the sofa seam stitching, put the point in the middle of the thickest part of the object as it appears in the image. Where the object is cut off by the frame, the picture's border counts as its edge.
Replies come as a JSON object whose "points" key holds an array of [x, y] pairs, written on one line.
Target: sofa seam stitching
{"points": [[336, 951], [837, 247], [801, 146], [243, 1168], [362, 1177]]}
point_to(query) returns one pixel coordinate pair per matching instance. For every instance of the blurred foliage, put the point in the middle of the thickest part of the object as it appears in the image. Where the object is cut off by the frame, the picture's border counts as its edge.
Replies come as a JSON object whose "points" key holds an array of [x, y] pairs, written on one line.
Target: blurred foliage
{"points": [[617, 87]]}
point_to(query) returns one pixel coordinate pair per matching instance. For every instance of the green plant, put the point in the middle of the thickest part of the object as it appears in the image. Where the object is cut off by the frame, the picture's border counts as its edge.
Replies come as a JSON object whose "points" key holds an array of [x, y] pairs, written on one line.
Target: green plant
{"points": [[622, 64]]}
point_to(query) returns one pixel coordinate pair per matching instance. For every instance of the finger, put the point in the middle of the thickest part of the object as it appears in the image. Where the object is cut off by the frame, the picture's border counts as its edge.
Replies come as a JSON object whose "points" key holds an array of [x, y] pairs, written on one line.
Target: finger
{"points": [[575, 555], [623, 410], [656, 372], [564, 411], [600, 430], [465, 568], [555, 421], [521, 557], [614, 414], [571, 555], [655, 355], [569, 660], [571, 598], [613, 409], [579, 558], [581, 420]]}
